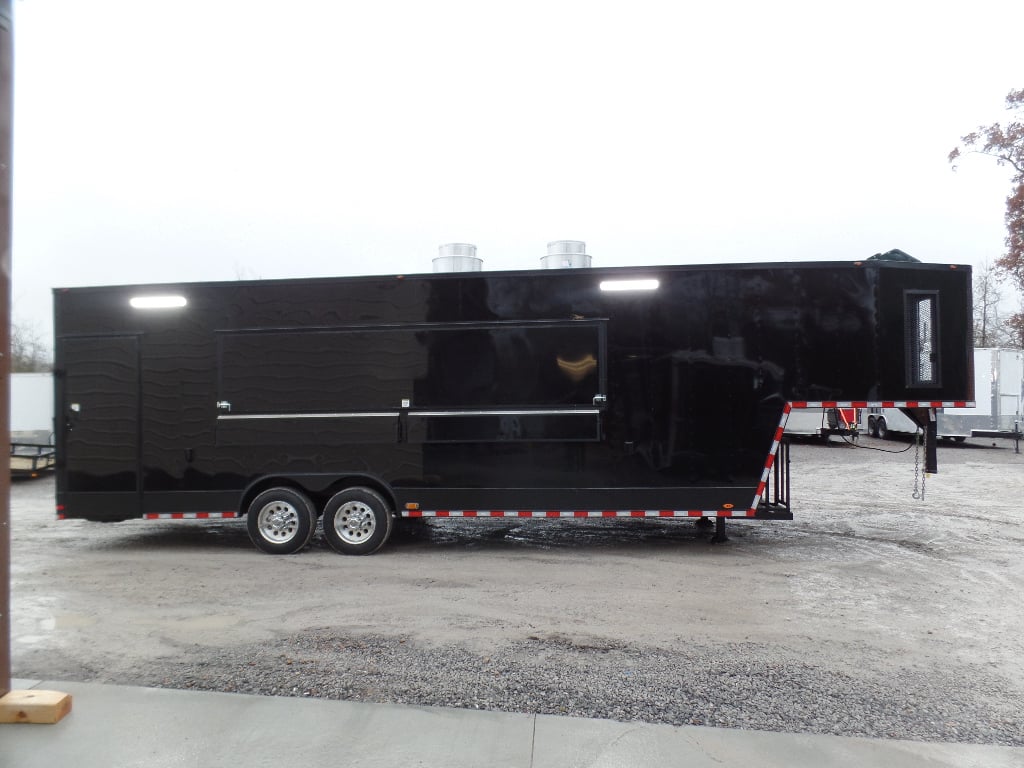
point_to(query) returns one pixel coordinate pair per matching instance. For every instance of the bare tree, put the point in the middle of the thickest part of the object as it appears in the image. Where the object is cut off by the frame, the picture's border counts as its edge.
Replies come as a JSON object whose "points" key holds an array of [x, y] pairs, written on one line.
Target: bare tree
{"points": [[29, 353], [986, 305], [1014, 326], [993, 328]]}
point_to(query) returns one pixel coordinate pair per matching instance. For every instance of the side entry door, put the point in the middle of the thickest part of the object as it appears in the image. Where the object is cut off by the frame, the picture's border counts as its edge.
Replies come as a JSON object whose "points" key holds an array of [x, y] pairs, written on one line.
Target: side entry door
{"points": [[98, 424]]}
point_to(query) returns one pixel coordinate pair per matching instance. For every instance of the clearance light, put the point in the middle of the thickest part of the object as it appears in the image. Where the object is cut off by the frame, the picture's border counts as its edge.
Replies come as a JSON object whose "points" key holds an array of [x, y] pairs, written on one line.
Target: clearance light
{"points": [[629, 285], [158, 302]]}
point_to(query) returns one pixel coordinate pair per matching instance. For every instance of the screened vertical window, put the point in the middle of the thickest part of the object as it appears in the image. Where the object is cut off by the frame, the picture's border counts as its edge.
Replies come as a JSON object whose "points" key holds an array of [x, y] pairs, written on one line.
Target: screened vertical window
{"points": [[921, 328]]}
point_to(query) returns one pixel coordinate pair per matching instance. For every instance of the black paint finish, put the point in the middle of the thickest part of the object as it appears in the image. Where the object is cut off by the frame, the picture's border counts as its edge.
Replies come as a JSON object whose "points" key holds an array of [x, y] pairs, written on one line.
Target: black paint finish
{"points": [[485, 390]]}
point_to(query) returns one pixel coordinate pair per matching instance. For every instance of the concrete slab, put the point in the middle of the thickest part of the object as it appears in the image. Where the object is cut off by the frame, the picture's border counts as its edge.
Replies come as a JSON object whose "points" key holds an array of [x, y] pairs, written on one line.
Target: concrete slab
{"points": [[113, 726], [562, 742], [19, 683]]}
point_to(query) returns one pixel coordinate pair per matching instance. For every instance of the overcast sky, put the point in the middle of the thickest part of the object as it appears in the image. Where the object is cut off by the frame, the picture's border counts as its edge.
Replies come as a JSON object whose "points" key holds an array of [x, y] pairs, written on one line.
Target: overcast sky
{"points": [[218, 139]]}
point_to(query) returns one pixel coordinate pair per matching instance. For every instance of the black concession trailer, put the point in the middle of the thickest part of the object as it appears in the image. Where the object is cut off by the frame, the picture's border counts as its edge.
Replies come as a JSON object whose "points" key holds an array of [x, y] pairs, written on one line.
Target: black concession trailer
{"points": [[580, 393]]}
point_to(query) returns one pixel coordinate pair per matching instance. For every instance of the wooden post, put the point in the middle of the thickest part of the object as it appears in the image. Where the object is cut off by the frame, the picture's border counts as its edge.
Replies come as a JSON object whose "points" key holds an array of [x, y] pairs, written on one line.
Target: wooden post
{"points": [[6, 111], [33, 706]]}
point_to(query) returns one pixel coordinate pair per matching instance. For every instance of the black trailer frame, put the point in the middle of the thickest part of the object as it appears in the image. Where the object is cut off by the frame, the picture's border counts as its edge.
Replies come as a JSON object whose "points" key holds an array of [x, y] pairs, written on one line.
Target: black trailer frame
{"points": [[659, 391]]}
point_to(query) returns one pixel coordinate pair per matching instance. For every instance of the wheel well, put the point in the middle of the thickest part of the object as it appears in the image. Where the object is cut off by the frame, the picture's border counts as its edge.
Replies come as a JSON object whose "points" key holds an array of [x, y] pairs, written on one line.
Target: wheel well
{"points": [[318, 488], [356, 481], [263, 484]]}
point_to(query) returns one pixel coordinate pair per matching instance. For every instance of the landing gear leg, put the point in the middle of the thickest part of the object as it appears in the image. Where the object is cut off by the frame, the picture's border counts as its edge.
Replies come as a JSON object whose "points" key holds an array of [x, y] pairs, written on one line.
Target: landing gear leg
{"points": [[719, 536]]}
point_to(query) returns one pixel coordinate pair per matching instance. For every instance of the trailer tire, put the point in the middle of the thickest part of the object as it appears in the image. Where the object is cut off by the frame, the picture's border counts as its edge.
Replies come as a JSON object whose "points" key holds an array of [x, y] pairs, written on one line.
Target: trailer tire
{"points": [[281, 521], [872, 426], [357, 521], [881, 430]]}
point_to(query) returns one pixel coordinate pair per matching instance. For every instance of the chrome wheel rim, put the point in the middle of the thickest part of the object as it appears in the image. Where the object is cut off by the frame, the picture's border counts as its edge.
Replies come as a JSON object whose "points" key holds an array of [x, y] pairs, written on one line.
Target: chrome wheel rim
{"points": [[354, 522], [278, 521]]}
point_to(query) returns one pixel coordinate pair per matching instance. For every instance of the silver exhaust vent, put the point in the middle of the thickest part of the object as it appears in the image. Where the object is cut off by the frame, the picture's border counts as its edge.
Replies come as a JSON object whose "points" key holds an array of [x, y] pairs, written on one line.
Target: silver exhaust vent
{"points": [[566, 254], [457, 257]]}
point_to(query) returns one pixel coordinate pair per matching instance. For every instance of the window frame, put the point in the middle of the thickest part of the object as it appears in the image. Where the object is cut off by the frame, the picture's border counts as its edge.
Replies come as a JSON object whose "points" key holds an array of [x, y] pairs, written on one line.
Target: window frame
{"points": [[918, 344]]}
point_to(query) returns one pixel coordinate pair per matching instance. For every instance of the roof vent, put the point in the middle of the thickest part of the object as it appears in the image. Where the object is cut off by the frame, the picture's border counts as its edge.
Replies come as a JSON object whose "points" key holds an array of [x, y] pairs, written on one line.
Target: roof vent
{"points": [[566, 254], [457, 257]]}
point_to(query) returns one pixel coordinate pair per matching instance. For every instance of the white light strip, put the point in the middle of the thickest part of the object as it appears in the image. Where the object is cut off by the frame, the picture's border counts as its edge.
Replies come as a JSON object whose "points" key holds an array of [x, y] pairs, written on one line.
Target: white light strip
{"points": [[158, 302], [629, 285]]}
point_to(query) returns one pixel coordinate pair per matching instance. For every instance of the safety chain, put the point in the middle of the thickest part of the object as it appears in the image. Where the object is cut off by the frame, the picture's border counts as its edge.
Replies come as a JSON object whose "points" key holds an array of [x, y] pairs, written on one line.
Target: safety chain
{"points": [[918, 494]]}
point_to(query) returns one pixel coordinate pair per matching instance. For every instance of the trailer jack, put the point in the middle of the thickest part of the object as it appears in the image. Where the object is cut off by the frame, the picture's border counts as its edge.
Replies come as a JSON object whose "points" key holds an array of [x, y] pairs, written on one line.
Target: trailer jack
{"points": [[719, 537], [925, 419]]}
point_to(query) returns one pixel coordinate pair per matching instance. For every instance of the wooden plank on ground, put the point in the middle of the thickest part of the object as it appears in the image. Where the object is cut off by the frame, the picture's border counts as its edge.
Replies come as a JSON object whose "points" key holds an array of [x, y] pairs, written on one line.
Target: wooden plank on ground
{"points": [[30, 706]]}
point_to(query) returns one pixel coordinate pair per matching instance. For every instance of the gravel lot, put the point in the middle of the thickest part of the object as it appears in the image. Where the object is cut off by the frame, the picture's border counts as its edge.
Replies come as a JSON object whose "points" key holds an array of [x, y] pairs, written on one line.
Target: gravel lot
{"points": [[871, 614]]}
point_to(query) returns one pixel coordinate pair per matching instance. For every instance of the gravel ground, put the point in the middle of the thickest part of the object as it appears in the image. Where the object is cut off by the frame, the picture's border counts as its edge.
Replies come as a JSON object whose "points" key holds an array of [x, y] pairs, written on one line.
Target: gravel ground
{"points": [[733, 685], [892, 619]]}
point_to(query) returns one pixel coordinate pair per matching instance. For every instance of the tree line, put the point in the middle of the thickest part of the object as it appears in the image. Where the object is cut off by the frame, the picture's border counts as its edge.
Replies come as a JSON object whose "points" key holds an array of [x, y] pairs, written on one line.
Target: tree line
{"points": [[29, 352], [1004, 142]]}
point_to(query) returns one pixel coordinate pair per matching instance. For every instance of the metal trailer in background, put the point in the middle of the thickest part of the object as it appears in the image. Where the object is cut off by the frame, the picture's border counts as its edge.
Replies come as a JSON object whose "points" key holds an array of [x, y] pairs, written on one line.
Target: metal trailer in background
{"points": [[658, 391], [999, 393], [999, 390], [885, 422], [32, 438]]}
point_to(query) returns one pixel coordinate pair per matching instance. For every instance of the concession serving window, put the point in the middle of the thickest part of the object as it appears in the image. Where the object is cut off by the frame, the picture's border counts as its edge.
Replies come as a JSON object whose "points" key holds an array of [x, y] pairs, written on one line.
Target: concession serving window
{"points": [[498, 381]]}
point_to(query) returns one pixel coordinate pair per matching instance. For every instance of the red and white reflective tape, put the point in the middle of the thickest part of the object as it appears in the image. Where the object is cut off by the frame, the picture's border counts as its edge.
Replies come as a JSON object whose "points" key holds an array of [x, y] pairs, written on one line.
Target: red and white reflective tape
{"points": [[576, 513], [187, 515], [170, 515], [882, 404], [761, 486]]}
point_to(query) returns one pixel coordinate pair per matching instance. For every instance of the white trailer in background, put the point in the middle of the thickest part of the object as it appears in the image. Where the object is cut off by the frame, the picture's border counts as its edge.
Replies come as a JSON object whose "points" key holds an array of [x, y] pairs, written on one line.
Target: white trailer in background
{"points": [[31, 423], [883, 422], [999, 393], [999, 388]]}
